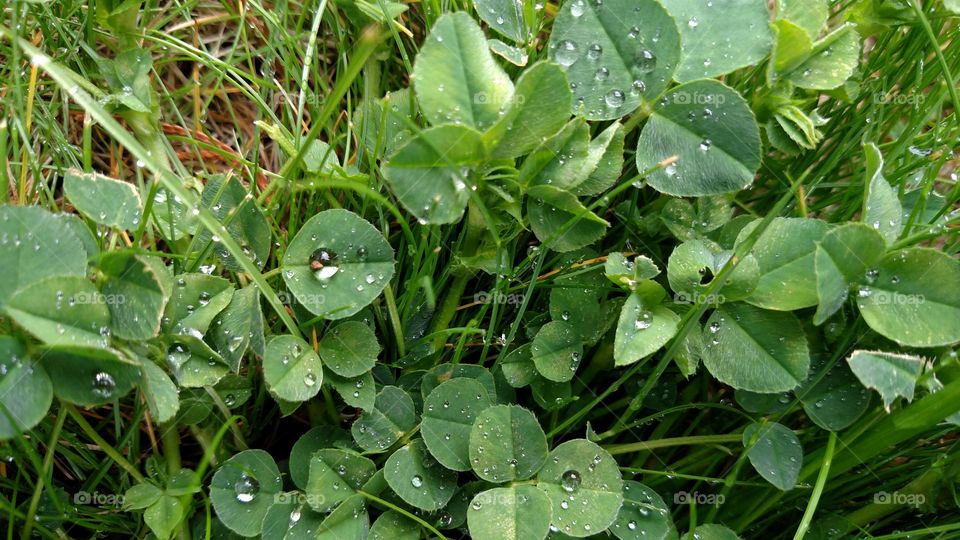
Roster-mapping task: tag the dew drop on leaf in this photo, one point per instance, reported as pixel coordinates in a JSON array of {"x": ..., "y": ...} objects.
[
  {"x": 576, "y": 9},
  {"x": 246, "y": 487},
  {"x": 595, "y": 51},
  {"x": 646, "y": 61},
  {"x": 103, "y": 384},
  {"x": 614, "y": 98},
  {"x": 644, "y": 321},
  {"x": 567, "y": 53},
  {"x": 570, "y": 480}
]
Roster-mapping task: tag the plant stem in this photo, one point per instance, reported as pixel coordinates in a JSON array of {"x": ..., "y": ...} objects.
[
  {"x": 642, "y": 446},
  {"x": 448, "y": 309},
  {"x": 103, "y": 444},
  {"x": 170, "y": 438},
  {"x": 399, "y": 510},
  {"x": 42, "y": 478},
  {"x": 818, "y": 488}
]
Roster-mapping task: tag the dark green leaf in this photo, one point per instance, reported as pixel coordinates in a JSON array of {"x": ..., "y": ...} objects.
[
  {"x": 506, "y": 444},
  {"x": 710, "y": 128},
  {"x": 107, "y": 201},
  {"x": 752, "y": 349},
  {"x": 418, "y": 479},
  {"x": 243, "y": 489},
  {"x": 448, "y": 415},
  {"x": 337, "y": 264}
]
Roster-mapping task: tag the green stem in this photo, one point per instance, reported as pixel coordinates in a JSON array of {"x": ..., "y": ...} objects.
[
  {"x": 391, "y": 301},
  {"x": 928, "y": 30},
  {"x": 110, "y": 451},
  {"x": 399, "y": 510},
  {"x": 472, "y": 234},
  {"x": 42, "y": 478},
  {"x": 448, "y": 309},
  {"x": 643, "y": 446},
  {"x": 170, "y": 438},
  {"x": 818, "y": 488}
]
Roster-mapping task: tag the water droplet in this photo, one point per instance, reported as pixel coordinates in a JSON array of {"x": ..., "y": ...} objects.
[
  {"x": 246, "y": 487},
  {"x": 614, "y": 98},
  {"x": 570, "y": 481},
  {"x": 310, "y": 379},
  {"x": 103, "y": 384},
  {"x": 595, "y": 51},
  {"x": 693, "y": 22},
  {"x": 644, "y": 321},
  {"x": 416, "y": 481},
  {"x": 576, "y": 9},
  {"x": 566, "y": 53},
  {"x": 323, "y": 263},
  {"x": 646, "y": 61},
  {"x": 445, "y": 520}
]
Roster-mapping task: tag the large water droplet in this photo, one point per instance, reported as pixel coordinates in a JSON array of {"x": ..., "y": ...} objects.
[
  {"x": 576, "y": 8},
  {"x": 614, "y": 98},
  {"x": 570, "y": 480},
  {"x": 246, "y": 487},
  {"x": 416, "y": 481},
  {"x": 644, "y": 321},
  {"x": 595, "y": 51},
  {"x": 323, "y": 262},
  {"x": 566, "y": 53},
  {"x": 646, "y": 61},
  {"x": 177, "y": 355},
  {"x": 103, "y": 384}
]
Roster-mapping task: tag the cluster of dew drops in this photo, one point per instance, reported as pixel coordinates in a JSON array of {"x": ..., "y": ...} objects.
[
  {"x": 568, "y": 52},
  {"x": 325, "y": 263}
]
